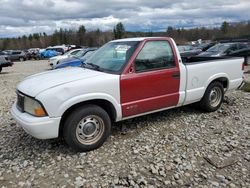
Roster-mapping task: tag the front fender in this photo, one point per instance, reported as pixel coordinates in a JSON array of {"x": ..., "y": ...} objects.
[{"x": 87, "y": 97}]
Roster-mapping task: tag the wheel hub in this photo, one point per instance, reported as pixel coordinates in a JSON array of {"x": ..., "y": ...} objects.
[
  {"x": 89, "y": 128},
  {"x": 215, "y": 97}
]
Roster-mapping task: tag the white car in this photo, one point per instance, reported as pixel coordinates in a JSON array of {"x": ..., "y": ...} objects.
[
  {"x": 125, "y": 78},
  {"x": 54, "y": 60}
]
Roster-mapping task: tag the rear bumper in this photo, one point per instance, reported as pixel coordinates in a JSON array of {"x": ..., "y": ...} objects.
[{"x": 38, "y": 127}]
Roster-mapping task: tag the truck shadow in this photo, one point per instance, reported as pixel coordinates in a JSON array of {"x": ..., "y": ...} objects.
[
  {"x": 144, "y": 121},
  {"x": 4, "y": 73}
]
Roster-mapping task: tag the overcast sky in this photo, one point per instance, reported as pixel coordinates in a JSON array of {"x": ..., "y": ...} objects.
[{"x": 18, "y": 17}]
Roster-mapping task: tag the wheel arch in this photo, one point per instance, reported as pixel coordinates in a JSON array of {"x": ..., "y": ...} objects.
[
  {"x": 222, "y": 78},
  {"x": 103, "y": 103}
]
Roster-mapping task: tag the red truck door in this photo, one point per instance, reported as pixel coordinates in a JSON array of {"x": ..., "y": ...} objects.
[{"x": 151, "y": 79}]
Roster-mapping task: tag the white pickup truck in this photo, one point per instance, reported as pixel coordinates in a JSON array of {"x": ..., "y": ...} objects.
[{"x": 124, "y": 79}]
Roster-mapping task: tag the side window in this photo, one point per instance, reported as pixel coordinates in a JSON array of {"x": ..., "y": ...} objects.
[
  {"x": 241, "y": 46},
  {"x": 75, "y": 52},
  {"x": 155, "y": 55},
  {"x": 234, "y": 47}
]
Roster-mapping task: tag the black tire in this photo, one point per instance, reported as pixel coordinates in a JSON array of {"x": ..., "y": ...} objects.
[
  {"x": 81, "y": 122},
  {"x": 1, "y": 69},
  {"x": 212, "y": 101}
]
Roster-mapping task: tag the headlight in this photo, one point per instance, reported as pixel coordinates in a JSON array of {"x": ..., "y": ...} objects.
[{"x": 33, "y": 107}]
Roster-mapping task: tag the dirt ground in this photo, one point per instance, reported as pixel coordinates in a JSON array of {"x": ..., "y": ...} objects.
[{"x": 182, "y": 147}]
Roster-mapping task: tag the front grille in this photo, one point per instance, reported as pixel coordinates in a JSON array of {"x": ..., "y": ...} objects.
[{"x": 20, "y": 102}]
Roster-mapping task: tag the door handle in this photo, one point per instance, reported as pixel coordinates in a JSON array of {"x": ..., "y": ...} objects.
[{"x": 176, "y": 75}]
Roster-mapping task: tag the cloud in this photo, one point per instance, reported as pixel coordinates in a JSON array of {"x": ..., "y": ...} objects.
[{"x": 18, "y": 17}]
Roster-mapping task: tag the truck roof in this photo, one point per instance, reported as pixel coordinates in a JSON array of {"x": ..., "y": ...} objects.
[{"x": 136, "y": 39}]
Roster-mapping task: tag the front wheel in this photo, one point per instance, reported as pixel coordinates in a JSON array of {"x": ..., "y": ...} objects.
[
  {"x": 213, "y": 97},
  {"x": 87, "y": 128},
  {"x": 1, "y": 69}
]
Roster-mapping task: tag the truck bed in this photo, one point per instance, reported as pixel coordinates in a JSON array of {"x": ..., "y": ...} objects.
[
  {"x": 197, "y": 59},
  {"x": 200, "y": 72}
]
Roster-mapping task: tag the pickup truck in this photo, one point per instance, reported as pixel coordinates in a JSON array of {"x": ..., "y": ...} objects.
[{"x": 123, "y": 79}]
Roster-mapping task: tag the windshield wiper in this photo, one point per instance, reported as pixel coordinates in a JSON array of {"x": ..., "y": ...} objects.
[
  {"x": 97, "y": 67},
  {"x": 93, "y": 66}
]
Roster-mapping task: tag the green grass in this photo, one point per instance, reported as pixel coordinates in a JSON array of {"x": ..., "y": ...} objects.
[{"x": 246, "y": 87}]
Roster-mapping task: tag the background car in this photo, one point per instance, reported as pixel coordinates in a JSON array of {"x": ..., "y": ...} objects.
[
  {"x": 242, "y": 53},
  {"x": 222, "y": 49},
  {"x": 48, "y": 53},
  {"x": 16, "y": 55},
  {"x": 55, "y": 60},
  {"x": 53, "y": 51},
  {"x": 187, "y": 51},
  {"x": 4, "y": 61},
  {"x": 32, "y": 53},
  {"x": 205, "y": 46},
  {"x": 76, "y": 61}
]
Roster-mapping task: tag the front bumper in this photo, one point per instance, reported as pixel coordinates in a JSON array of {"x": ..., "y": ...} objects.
[
  {"x": 7, "y": 64},
  {"x": 52, "y": 63},
  {"x": 38, "y": 127}
]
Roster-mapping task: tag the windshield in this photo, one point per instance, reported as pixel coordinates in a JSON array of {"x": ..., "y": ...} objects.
[
  {"x": 219, "y": 48},
  {"x": 87, "y": 55},
  {"x": 113, "y": 56}
]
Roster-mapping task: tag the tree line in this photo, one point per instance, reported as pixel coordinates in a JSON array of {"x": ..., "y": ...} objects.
[{"x": 82, "y": 37}]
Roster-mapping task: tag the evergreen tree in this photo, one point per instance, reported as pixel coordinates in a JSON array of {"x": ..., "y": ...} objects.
[
  {"x": 224, "y": 27},
  {"x": 119, "y": 31}
]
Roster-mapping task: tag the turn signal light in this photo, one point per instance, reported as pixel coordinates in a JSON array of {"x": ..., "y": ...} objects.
[{"x": 40, "y": 112}]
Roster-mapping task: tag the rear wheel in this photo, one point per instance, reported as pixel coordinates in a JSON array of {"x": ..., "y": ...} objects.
[
  {"x": 87, "y": 128},
  {"x": 1, "y": 69},
  {"x": 213, "y": 97}
]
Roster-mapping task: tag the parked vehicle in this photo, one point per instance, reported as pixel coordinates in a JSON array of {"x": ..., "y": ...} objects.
[
  {"x": 48, "y": 53},
  {"x": 222, "y": 49},
  {"x": 55, "y": 60},
  {"x": 52, "y": 51},
  {"x": 33, "y": 53},
  {"x": 123, "y": 79},
  {"x": 205, "y": 46},
  {"x": 76, "y": 61},
  {"x": 16, "y": 55},
  {"x": 187, "y": 51},
  {"x": 242, "y": 53},
  {"x": 185, "y": 48},
  {"x": 4, "y": 61}
]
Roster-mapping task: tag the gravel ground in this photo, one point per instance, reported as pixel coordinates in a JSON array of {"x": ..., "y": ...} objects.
[{"x": 182, "y": 147}]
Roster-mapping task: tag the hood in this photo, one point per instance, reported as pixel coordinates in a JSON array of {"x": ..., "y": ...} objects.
[
  {"x": 69, "y": 59},
  {"x": 33, "y": 85}
]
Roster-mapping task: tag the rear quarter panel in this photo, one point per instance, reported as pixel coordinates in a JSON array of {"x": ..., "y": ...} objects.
[{"x": 200, "y": 75}]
